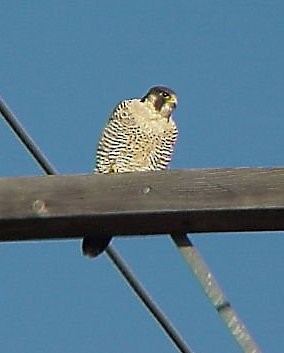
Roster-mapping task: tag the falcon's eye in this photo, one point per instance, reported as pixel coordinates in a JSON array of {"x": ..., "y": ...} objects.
[{"x": 165, "y": 94}]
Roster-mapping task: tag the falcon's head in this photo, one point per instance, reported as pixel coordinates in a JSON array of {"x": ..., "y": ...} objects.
[{"x": 163, "y": 99}]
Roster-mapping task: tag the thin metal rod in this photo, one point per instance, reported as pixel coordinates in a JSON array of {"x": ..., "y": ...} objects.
[
  {"x": 215, "y": 294},
  {"x": 148, "y": 301},
  {"x": 117, "y": 260}
]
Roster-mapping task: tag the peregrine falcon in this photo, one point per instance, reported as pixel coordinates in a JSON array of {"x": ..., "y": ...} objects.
[{"x": 139, "y": 136}]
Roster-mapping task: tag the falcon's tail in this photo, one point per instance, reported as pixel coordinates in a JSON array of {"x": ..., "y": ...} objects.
[{"x": 94, "y": 245}]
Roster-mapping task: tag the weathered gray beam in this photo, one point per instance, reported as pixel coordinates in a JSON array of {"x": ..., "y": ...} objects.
[{"x": 164, "y": 202}]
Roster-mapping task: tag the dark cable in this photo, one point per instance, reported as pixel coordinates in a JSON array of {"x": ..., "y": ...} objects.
[
  {"x": 147, "y": 300},
  {"x": 26, "y": 140},
  {"x": 123, "y": 268}
]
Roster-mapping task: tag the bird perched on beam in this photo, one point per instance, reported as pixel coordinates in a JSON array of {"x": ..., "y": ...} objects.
[{"x": 139, "y": 136}]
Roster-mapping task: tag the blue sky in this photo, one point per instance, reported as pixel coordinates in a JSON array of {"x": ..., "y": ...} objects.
[{"x": 63, "y": 67}]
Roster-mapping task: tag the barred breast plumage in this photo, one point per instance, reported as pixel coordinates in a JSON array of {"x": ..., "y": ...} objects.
[
  {"x": 139, "y": 136},
  {"x": 136, "y": 138}
]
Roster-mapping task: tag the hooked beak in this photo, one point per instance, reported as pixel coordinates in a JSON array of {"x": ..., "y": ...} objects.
[{"x": 173, "y": 101}]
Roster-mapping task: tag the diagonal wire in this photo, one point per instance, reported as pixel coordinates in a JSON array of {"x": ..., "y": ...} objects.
[
  {"x": 118, "y": 261},
  {"x": 147, "y": 300},
  {"x": 25, "y": 138},
  {"x": 215, "y": 294}
]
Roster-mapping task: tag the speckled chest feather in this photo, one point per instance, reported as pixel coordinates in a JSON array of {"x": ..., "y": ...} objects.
[{"x": 136, "y": 138}]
